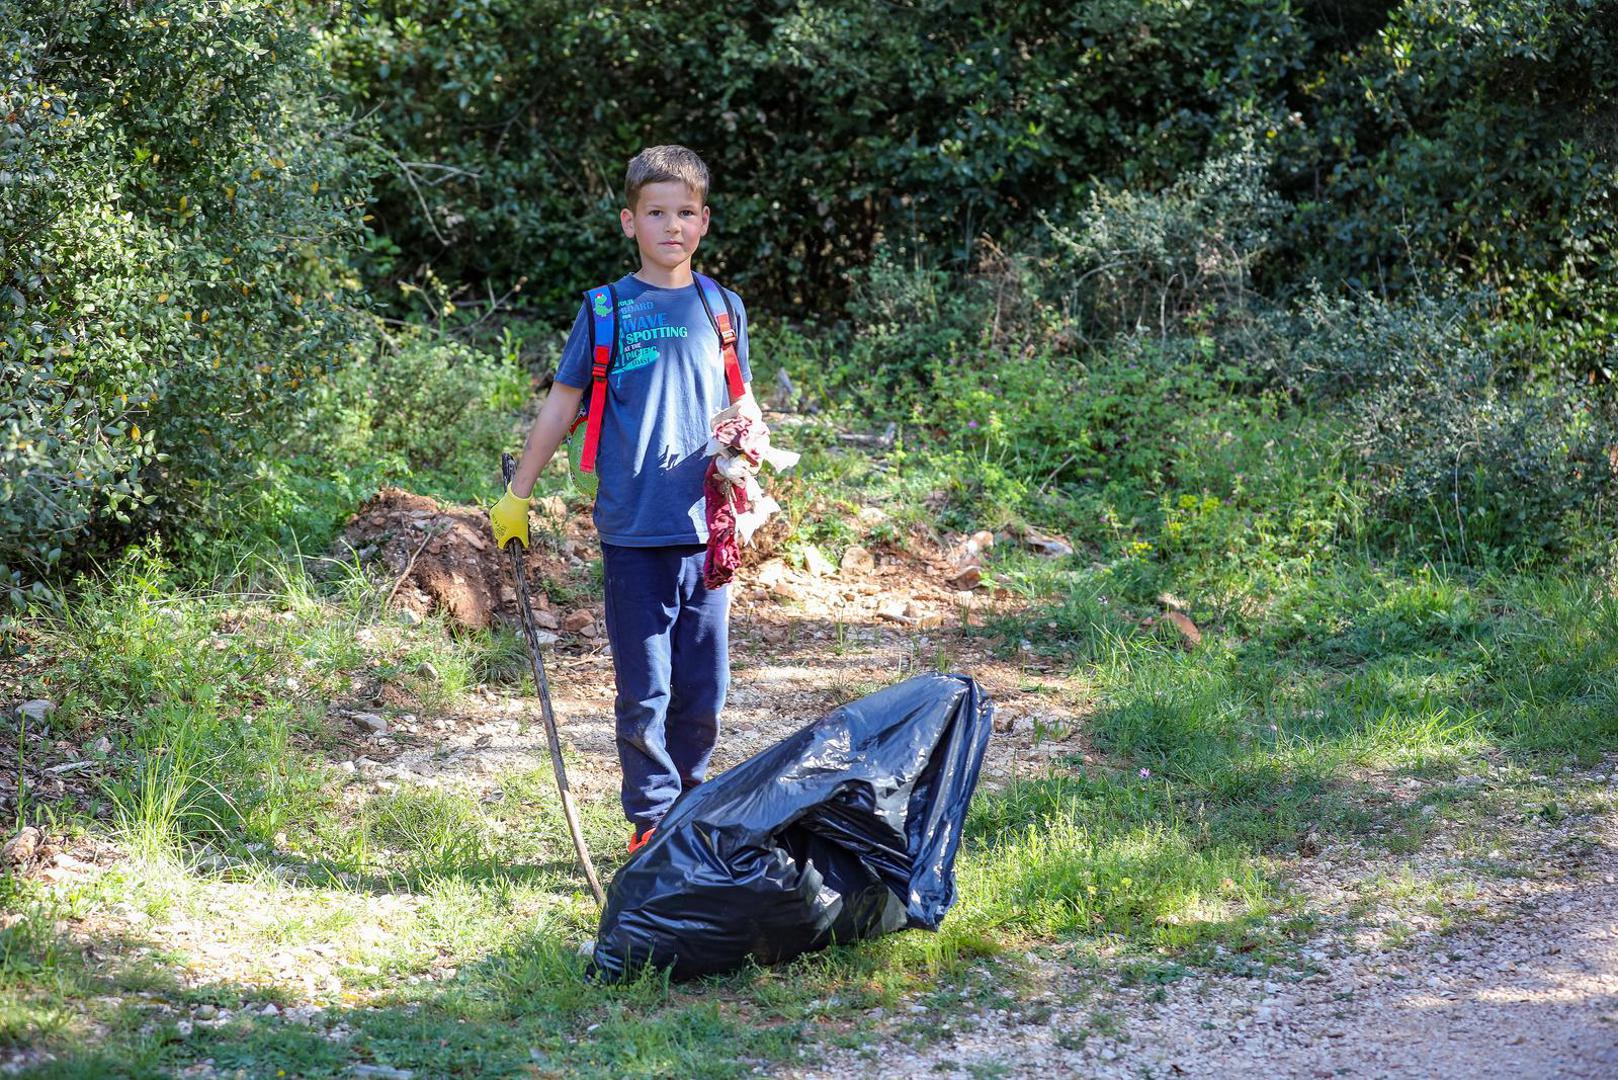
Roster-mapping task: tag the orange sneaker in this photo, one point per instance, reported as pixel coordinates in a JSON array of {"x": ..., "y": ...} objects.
[{"x": 638, "y": 839}]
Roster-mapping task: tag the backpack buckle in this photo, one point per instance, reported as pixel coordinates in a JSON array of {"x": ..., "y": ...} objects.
[{"x": 727, "y": 335}]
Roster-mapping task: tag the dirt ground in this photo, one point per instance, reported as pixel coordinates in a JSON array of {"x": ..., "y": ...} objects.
[{"x": 802, "y": 642}]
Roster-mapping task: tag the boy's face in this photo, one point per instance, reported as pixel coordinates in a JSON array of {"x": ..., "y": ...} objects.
[{"x": 667, "y": 222}]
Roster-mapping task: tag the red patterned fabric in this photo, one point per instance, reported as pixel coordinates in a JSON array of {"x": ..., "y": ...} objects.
[
  {"x": 724, "y": 502},
  {"x": 744, "y": 435}
]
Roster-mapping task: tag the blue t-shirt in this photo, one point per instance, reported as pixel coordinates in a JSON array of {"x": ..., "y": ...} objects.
[{"x": 666, "y": 382}]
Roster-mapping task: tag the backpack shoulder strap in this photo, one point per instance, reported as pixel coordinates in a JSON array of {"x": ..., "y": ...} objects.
[
  {"x": 602, "y": 303},
  {"x": 718, "y": 309}
]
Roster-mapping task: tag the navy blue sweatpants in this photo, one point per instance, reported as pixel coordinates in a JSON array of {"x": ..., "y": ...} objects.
[{"x": 670, "y": 639}]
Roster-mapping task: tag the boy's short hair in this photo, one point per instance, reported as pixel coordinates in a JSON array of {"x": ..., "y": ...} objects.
[{"x": 656, "y": 164}]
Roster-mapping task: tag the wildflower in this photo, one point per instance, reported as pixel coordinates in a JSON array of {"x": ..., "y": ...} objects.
[
  {"x": 971, "y": 423},
  {"x": 1146, "y": 774}
]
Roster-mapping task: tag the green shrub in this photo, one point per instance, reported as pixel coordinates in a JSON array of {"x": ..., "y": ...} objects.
[
  {"x": 1451, "y": 436},
  {"x": 176, "y": 192},
  {"x": 1473, "y": 139},
  {"x": 420, "y": 409},
  {"x": 1151, "y": 262}
]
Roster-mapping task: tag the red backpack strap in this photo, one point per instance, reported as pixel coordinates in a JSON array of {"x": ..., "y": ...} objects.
[
  {"x": 602, "y": 303},
  {"x": 718, "y": 308}
]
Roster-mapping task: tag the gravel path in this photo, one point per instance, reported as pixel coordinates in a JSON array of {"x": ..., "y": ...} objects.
[{"x": 1528, "y": 992}]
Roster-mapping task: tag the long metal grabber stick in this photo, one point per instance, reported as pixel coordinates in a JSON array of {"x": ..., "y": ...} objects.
[{"x": 519, "y": 573}]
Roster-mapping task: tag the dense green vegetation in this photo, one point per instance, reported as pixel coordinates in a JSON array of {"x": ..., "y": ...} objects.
[
  {"x": 1301, "y": 312},
  {"x": 213, "y": 211}
]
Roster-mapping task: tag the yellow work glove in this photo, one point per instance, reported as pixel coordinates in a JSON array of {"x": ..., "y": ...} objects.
[{"x": 509, "y": 518}]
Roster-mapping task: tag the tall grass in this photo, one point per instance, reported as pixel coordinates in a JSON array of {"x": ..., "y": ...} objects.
[{"x": 168, "y": 795}]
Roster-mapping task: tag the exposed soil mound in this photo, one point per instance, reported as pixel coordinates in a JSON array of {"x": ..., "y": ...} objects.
[{"x": 444, "y": 559}]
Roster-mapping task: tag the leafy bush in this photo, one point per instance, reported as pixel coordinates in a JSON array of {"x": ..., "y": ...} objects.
[
  {"x": 421, "y": 409},
  {"x": 1472, "y": 139},
  {"x": 1151, "y": 261},
  {"x": 176, "y": 194},
  {"x": 1450, "y": 436}
]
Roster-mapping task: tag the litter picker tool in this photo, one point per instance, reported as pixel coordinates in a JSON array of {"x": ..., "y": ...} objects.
[{"x": 519, "y": 574}]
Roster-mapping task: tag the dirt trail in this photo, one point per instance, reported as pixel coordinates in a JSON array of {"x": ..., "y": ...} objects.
[{"x": 802, "y": 642}]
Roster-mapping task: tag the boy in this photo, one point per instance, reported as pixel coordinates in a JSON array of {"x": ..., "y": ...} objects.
[{"x": 669, "y": 634}]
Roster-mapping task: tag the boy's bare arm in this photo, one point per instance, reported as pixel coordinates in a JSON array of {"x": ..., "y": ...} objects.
[{"x": 555, "y": 417}]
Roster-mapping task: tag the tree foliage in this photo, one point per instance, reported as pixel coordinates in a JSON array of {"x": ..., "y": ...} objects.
[
  {"x": 175, "y": 201},
  {"x": 833, "y": 128}
]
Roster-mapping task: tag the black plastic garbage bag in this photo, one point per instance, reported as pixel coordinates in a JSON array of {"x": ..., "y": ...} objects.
[{"x": 843, "y": 831}]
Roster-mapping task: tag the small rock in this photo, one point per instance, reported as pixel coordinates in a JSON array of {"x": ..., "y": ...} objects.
[
  {"x": 857, "y": 560},
  {"x": 547, "y": 637},
  {"x": 370, "y": 721},
  {"x": 772, "y": 573},
  {"x": 921, "y": 615},
  {"x": 551, "y": 506},
  {"x": 380, "y": 1072},
  {"x": 270, "y": 1010},
  {"x": 577, "y": 621},
  {"x": 61, "y": 866},
  {"x": 816, "y": 563},
  {"x": 894, "y": 610},
  {"x": 102, "y": 746},
  {"x": 410, "y": 618},
  {"x": 982, "y": 540},
  {"x": 1051, "y": 547},
  {"x": 36, "y": 710},
  {"x": 871, "y": 516},
  {"x": 20, "y": 849},
  {"x": 206, "y": 1012},
  {"x": 967, "y": 576},
  {"x": 427, "y": 671},
  {"x": 546, "y": 620}
]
